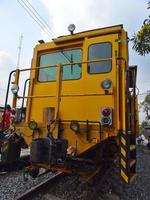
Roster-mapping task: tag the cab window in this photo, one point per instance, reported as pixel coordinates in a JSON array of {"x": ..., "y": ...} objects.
[
  {"x": 63, "y": 57},
  {"x": 100, "y": 51}
]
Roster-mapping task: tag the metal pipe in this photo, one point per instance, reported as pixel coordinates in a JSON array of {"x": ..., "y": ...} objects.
[
  {"x": 66, "y": 64},
  {"x": 64, "y": 95},
  {"x": 25, "y": 84}
]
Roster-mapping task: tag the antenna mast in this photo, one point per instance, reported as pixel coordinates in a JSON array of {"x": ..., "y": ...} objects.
[{"x": 19, "y": 50}]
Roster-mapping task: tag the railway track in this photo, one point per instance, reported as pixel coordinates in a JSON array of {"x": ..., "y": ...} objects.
[
  {"x": 64, "y": 186},
  {"x": 40, "y": 187},
  {"x": 97, "y": 191}
]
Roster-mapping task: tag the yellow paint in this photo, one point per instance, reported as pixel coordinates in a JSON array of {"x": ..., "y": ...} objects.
[
  {"x": 123, "y": 141},
  {"x": 123, "y": 152},
  {"x": 14, "y": 103},
  {"x": 124, "y": 176},
  {"x": 123, "y": 163},
  {"x": 80, "y": 99}
]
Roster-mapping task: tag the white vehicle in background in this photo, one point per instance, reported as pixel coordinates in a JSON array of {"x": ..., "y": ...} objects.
[{"x": 141, "y": 140}]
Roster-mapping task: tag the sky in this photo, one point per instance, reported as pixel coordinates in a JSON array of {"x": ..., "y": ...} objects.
[{"x": 85, "y": 14}]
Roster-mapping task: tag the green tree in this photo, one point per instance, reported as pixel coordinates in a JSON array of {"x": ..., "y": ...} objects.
[
  {"x": 143, "y": 124},
  {"x": 146, "y": 106},
  {"x": 141, "y": 40}
]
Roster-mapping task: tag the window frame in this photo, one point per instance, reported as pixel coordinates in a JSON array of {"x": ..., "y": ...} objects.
[
  {"x": 99, "y": 59},
  {"x": 59, "y": 50}
]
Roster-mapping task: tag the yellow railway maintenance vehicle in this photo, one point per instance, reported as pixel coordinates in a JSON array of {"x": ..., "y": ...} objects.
[{"x": 81, "y": 103}]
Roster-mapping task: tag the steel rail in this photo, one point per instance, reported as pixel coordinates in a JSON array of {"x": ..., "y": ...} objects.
[{"x": 28, "y": 194}]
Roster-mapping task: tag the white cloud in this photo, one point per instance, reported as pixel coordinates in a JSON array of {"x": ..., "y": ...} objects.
[
  {"x": 64, "y": 12},
  {"x": 6, "y": 66},
  {"x": 88, "y": 14}
]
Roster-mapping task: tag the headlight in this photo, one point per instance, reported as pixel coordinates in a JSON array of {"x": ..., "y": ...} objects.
[
  {"x": 71, "y": 28},
  {"x": 15, "y": 89},
  {"x": 32, "y": 125},
  {"x": 75, "y": 126},
  {"x": 106, "y": 84}
]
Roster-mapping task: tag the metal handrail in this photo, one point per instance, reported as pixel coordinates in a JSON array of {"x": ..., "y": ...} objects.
[
  {"x": 65, "y": 64},
  {"x": 50, "y": 66},
  {"x": 41, "y": 67},
  {"x": 24, "y": 91}
]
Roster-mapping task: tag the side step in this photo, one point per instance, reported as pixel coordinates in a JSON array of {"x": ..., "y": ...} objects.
[{"x": 127, "y": 156}]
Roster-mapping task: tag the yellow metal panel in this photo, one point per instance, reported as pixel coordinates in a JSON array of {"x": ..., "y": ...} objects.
[
  {"x": 97, "y": 32},
  {"x": 124, "y": 65},
  {"x": 81, "y": 99}
]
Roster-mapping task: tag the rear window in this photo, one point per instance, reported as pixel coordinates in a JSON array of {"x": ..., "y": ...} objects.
[
  {"x": 100, "y": 51},
  {"x": 64, "y": 57}
]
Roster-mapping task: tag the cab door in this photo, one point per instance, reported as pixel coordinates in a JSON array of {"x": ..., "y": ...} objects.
[{"x": 105, "y": 49}]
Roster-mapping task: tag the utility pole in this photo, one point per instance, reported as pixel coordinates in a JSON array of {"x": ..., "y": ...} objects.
[{"x": 19, "y": 50}]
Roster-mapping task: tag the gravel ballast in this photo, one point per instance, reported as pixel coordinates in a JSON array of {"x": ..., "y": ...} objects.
[
  {"x": 12, "y": 184},
  {"x": 141, "y": 189}
]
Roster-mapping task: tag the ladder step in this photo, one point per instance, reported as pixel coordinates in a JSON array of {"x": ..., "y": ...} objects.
[
  {"x": 133, "y": 162},
  {"x": 132, "y": 178},
  {"x": 132, "y": 147},
  {"x": 129, "y": 132}
]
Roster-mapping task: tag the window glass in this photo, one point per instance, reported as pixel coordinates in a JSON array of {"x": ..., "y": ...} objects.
[
  {"x": 100, "y": 51},
  {"x": 63, "y": 57}
]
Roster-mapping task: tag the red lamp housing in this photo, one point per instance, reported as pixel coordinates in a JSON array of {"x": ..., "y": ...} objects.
[{"x": 106, "y": 116}]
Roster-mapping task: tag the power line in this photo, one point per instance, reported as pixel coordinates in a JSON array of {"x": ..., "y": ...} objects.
[
  {"x": 35, "y": 18},
  {"x": 41, "y": 18}
]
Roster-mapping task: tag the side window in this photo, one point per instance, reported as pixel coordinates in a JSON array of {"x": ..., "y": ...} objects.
[
  {"x": 100, "y": 51},
  {"x": 50, "y": 73},
  {"x": 72, "y": 71}
]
